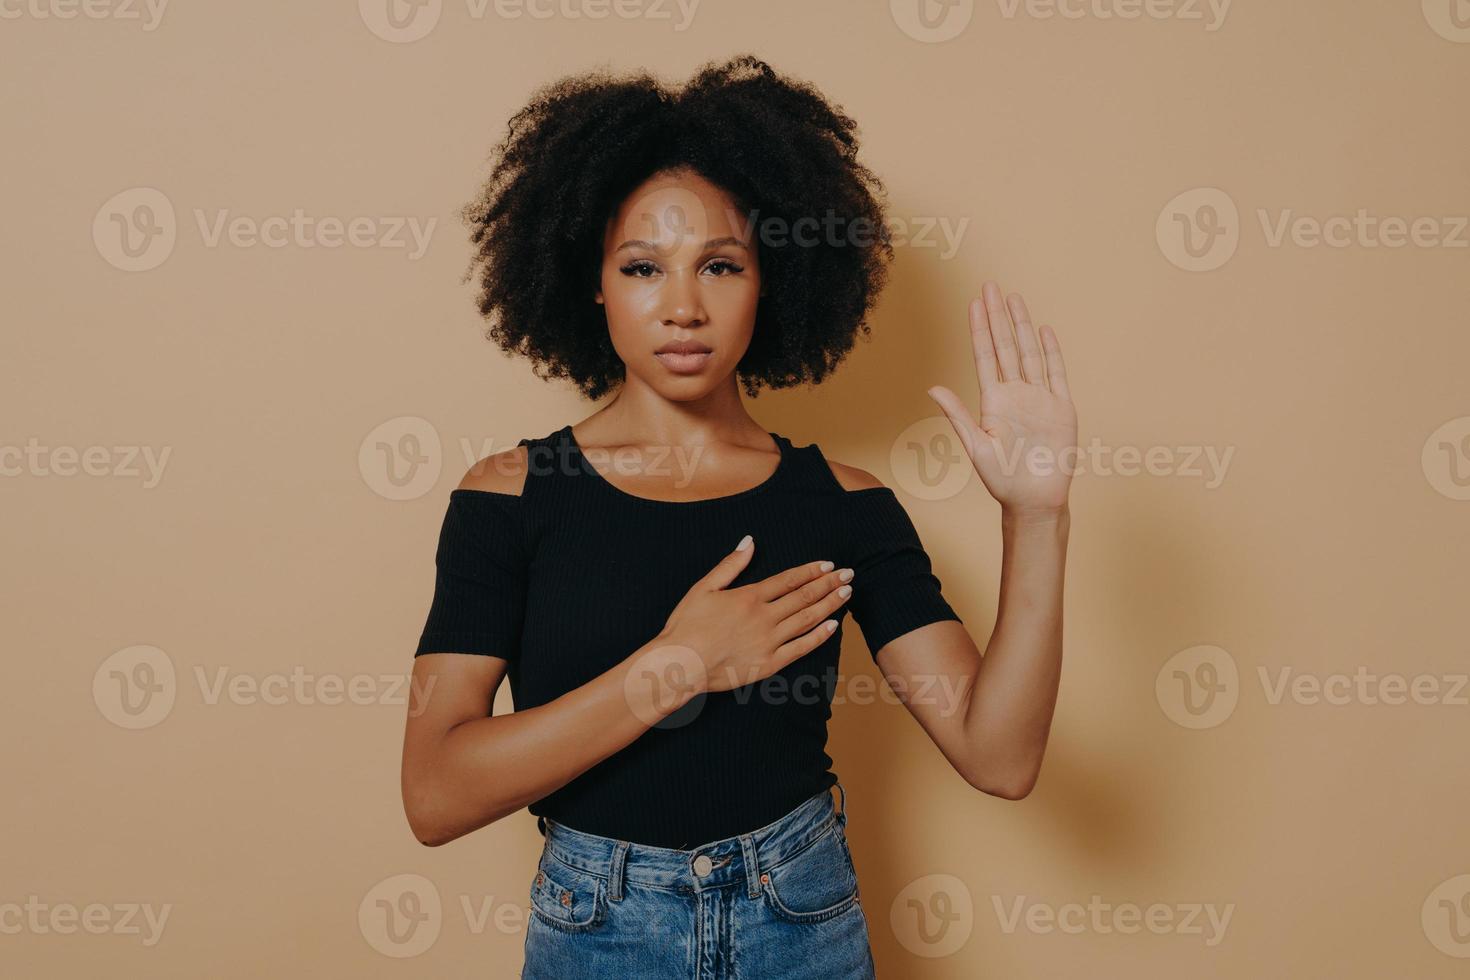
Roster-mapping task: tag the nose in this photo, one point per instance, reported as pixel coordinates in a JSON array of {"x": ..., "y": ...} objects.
[{"x": 682, "y": 304}]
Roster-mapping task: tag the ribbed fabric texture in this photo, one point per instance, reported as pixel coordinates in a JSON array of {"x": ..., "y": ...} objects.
[{"x": 572, "y": 576}]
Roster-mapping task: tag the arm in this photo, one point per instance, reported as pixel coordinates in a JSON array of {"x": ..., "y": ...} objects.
[
  {"x": 991, "y": 716},
  {"x": 463, "y": 770}
]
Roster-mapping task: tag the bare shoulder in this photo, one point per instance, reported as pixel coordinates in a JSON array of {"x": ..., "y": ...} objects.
[
  {"x": 853, "y": 478},
  {"x": 502, "y": 472}
]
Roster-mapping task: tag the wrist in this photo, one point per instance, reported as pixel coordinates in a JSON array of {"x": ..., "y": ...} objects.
[{"x": 1037, "y": 517}]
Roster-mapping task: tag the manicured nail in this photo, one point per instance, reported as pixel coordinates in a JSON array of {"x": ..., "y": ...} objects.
[
  {"x": 744, "y": 543},
  {"x": 845, "y": 575},
  {"x": 844, "y": 591},
  {"x": 827, "y": 566}
]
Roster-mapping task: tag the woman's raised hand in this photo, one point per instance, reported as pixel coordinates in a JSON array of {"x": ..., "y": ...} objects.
[{"x": 1025, "y": 444}]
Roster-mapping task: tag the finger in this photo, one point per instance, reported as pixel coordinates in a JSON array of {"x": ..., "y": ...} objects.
[
  {"x": 729, "y": 567},
  {"x": 769, "y": 589},
  {"x": 812, "y": 615},
  {"x": 959, "y": 416},
  {"x": 986, "y": 366},
  {"x": 1056, "y": 368},
  {"x": 1000, "y": 333},
  {"x": 793, "y": 650},
  {"x": 812, "y": 592},
  {"x": 1033, "y": 368}
]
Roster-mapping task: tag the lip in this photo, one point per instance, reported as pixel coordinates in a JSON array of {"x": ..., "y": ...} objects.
[{"x": 681, "y": 363}]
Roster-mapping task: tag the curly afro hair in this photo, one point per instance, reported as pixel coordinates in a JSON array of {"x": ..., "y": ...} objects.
[{"x": 779, "y": 149}]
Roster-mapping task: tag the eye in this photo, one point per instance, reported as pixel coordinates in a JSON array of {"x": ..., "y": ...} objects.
[
  {"x": 637, "y": 268},
  {"x": 726, "y": 267}
]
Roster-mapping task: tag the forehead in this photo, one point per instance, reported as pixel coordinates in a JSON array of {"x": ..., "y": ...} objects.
[{"x": 673, "y": 205}]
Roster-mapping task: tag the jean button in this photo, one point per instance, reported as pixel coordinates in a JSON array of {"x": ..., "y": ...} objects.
[{"x": 703, "y": 865}]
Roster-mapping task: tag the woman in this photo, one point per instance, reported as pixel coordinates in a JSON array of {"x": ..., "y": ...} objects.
[{"x": 663, "y": 582}]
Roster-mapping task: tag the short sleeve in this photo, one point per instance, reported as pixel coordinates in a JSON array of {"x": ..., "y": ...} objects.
[
  {"x": 480, "y": 580},
  {"x": 894, "y": 589}
]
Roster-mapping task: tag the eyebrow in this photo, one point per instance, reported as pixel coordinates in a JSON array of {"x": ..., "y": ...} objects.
[{"x": 712, "y": 243}]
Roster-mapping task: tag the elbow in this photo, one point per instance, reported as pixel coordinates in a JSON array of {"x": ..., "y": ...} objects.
[
  {"x": 425, "y": 821},
  {"x": 1006, "y": 784}
]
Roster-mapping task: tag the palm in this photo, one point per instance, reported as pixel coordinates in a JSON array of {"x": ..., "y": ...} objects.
[{"x": 1024, "y": 444}]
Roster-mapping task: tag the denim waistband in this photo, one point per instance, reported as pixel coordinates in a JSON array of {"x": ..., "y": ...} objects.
[{"x": 712, "y": 865}]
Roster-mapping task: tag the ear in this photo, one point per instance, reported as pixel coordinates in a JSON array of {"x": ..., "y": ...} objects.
[{"x": 597, "y": 296}]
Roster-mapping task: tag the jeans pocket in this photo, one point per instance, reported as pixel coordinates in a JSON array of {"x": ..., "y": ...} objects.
[
  {"x": 815, "y": 884},
  {"x": 566, "y": 898}
]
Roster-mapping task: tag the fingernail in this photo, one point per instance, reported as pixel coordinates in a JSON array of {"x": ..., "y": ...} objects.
[
  {"x": 845, "y": 575},
  {"x": 827, "y": 566},
  {"x": 844, "y": 591},
  {"x": 744, "y": 543}
]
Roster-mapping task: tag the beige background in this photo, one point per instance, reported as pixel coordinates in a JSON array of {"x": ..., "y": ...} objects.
[{"x": 1334, "y": 835}]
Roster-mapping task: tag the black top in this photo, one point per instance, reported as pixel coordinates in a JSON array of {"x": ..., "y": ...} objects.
[{"x": 572, "y": 576}]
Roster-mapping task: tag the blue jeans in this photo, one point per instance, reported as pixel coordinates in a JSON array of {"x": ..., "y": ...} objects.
[{"x": 777, "y": 903}]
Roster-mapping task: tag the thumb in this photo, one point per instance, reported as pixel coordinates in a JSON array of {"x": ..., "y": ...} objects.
[{"x": 731, "y": 565}]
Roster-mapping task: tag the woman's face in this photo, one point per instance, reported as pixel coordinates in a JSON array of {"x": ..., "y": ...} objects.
[{"x": 679, "y": 265}]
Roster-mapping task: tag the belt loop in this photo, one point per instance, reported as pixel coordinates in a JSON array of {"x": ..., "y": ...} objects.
[
  {"x": 616, "y": 871},
  {"x": 752, "y": 865},
  {"x": 842, "y": 805}
]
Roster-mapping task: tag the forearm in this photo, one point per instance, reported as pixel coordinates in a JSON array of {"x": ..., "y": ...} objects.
[
  {"x": 486, "y": 768},
  {"x": 1009, "y": 708}
]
